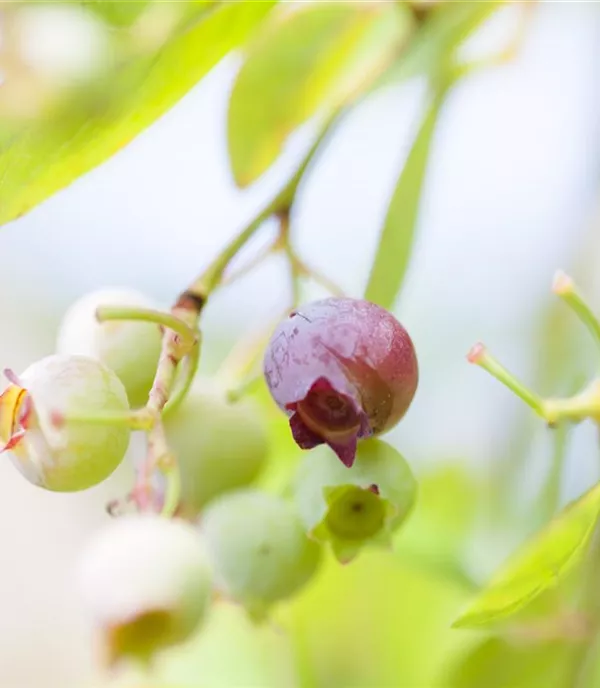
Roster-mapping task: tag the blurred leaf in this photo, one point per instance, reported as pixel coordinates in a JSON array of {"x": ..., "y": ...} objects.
[
  {"x": 395, "y": 244},
  {"x": 311, "y": 59},
  {"x": 445, "y": 28},
  {"x": 538, "y": 565},
  {"x": 87, "y": 131},
  {"x": 497, "y": 663},
  {"x": 117, "y": 12},
  {"x": 444, "y": 516},
  {"x": 263, "y": 655},
  {"x": 374, "y": 623}
]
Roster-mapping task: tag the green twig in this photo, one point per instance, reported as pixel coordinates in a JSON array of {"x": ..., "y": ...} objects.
[
  {"x": 190, "y": 364},
  {"x": 170, "y": 320},
  {"x": 564, "y": 287},
  {"x": 172, "y": 477},
  {"x": 480, "y": 356}
]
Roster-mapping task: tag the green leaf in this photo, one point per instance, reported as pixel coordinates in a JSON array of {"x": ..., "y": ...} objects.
[
  {"x": 445, "y": 28},
  {"x": 119, "y": 13},
  {"x": 395, "y": 244},
  {"x": 435, "y": 537},
  {"x": 498, "y": 663},
  {"x": 310, "y": 60},
  {"x": 538, "y": 565},
  {"x": 90, "y": 129}
]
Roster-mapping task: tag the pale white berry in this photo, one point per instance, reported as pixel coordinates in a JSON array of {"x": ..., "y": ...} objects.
[
  {"x": 130, "y": 348},
  {"x": 146, "y": 583},
  {"x": 64, "y": 456},
  {"x": 220, "y": 445}
]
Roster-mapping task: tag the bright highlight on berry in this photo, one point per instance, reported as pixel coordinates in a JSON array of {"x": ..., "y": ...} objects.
[
  {"x": 342, "y": 369},
  {"x": 146, "y": 582},
  {"x": 67, "y": 457},
  {"x": 259, "y": 549},
  {"x": 356, "y": 507}
]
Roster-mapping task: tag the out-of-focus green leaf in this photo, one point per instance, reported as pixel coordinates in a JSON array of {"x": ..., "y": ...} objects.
[
  {"x": 310, "y": 60},
  {"x": 263, "y": 655},
  {"x": 498, "y": 663},
  {"x": 117, "y": 12},
  {"x": 373, "y": 624},
  {"x": 433, "y": 47},
  {"x": 435, "y": 536},
  {"x": 87, "y": 131},
  {"x": 540, "y": 564},
  {"x": 395, "y": 244}
]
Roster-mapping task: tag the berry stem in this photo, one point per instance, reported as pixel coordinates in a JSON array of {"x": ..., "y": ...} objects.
[
  {"x": 138, "y": 419},
  {"x": 190, "y": 362},
  {"x": 245, "y": 269},
  {"x": 210, "y": 279},
  {"x": 575, "y": 408},
  {"x": 172, "y": 490},
  {"x": 169, "y": 320},
  {"x": 564, "y": 287},
  {"x": 480, "y": 356}
]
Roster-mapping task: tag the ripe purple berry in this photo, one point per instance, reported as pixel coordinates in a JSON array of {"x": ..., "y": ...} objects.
[{"x": 342, "y": 369}]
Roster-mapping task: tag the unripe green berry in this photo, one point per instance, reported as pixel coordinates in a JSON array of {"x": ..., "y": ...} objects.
[
  {"x": 146, "y": 582},
  {"x": 130, "y": 348},
  {"x": 260, "y": 552},
  {"x": 68, "y": 456},
  {"x": 220, "y": 445},
  {"x": 364, "y": 504}
]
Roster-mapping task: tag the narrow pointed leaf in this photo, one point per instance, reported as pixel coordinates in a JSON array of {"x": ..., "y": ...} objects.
[
  {"x": 538, "y": 565},
  {"x": 306, "y": 61},
  {"x": 88, "y": 130},
  {"x": 397, "y": 235}
]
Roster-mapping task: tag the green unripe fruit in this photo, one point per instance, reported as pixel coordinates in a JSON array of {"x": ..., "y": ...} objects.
[
  {"x": 146, "y": 582},
  {"x": 220, "y": 445},
  {"x": 64, "y": 457},
  {"x": 260, "y": 552},
  {"x": 352, "y": 507},
  {"x": 130, "y": 348}
]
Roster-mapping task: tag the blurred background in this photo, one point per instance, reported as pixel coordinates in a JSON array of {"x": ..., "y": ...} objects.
[{"x": 511, "y": 195}]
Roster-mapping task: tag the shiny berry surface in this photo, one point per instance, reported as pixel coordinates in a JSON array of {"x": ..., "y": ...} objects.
[{"x": 342, "y": 369}]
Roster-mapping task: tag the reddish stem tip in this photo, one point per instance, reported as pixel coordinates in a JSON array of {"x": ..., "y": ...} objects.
[
  {"x": 562, "y": 283},
  {"x": 476, "y": 353},
  {"x": 57, "y": 419}
]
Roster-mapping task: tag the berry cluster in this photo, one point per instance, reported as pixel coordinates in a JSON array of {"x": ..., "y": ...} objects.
[{"x": 343, "y": 370}]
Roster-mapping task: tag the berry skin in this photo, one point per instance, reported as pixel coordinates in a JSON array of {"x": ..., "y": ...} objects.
[
  {"x": 130, "y": 348},
  {"x": 350, "y": 508},
  {"x": 220, "y": 445},
  {"x": 146, "y": 582},
  {"x": 342, "y": 369},
  {"x": 71, "y": 456},
  {"x": 260, "y": 552}
]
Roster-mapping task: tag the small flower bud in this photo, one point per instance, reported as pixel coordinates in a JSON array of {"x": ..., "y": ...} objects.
[
  {"x": 65, "y": 457},
  {"x": 130, "y": 348},
  {"x": 219, "y": 445},
  {"x": 260, "y": 551},
  {"x": 350, "y": 508},
  {"x": 342, "y": 369},
  {"x": 146, "y": 582}
]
